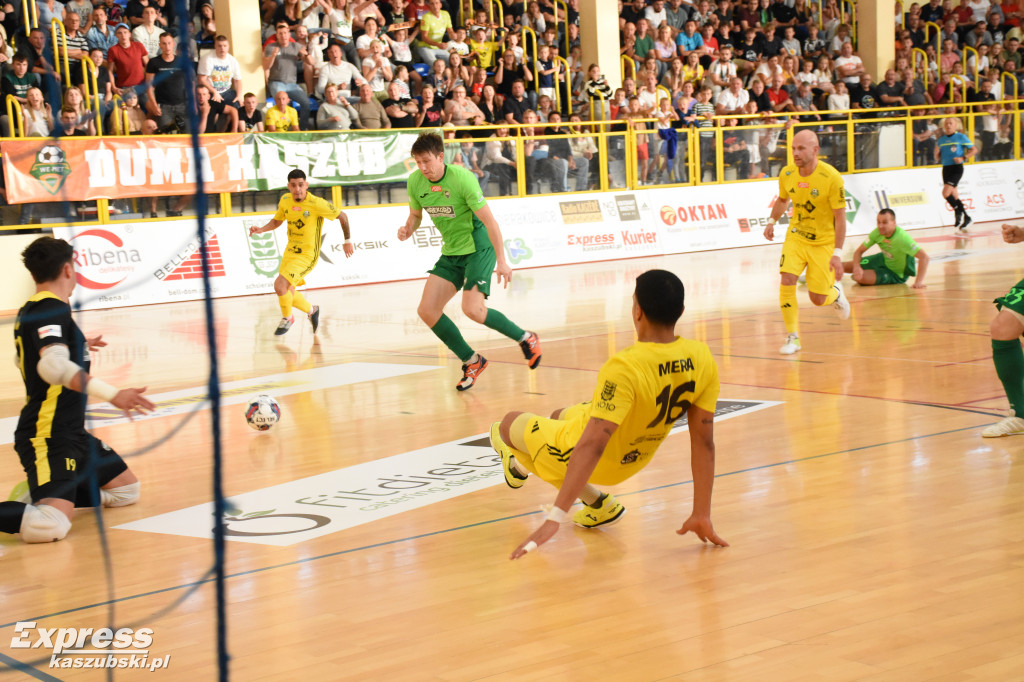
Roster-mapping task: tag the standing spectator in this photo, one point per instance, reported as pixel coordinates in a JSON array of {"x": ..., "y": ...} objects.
[
  {"x": 371, "y": 114},
  {"x": 734, "y": 150},
  {"x": 401, "y": 52},
  {"x": 99, "y": 34},
  {"x": 435, "y": 31},
  {"x": 75, "y": 46},
  {"x": 282, "y": 116},
  {"x": 148, "y": 33},
  {"x": 561, "y": 158},
  {"x": 545, "y": 72},
  {"x": 340, "y": 73},
  {"x": 127, "y": 60},
  {"x": 281, "y": 63},
  {"x": 370, "y": 35},
  {"x": 339, "y": 21},
  {"x": 219, "y": 71},
  {"x": 989, "y": 123},
  {"x": 250, "y": 118},
  {"x": 49, "y": 10},
  {"x": 335, "y": 113},
  {"x": 83, "y": 8},
  {"x": 500, "y": 160},
  {"x": 597, "y": 88},
  {"x": 165, "y": 86}
]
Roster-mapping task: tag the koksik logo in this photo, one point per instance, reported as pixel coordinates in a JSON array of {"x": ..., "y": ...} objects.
[{"x": 101, "y": 254}]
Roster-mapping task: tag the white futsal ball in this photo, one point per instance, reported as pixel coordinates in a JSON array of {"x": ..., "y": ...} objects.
[{"x": 262, "y": 412}]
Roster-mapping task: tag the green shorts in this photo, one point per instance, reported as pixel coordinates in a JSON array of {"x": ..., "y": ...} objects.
[
  {"x": 468, "y": 271},
  {"x": 883, "y": 275},
  {"x": 1014, "y": 299}
]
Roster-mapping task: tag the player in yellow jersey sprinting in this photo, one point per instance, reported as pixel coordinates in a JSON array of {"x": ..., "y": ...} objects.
[
  {"x": 641, "y": 392},
  {"x": 815, "y": 237},
  {"x": 305, "y": 214}
]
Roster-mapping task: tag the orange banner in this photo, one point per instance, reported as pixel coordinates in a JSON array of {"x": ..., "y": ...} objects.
[{"x": 83, "y": 169}]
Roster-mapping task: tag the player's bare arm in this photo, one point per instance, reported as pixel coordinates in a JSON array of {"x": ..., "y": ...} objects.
[
  {"x": 272, "y": 224},
  {"x": 584, "y": 459},
  {"x": 349, "y": 248},
  {"x": 922, "y": 268},
  {"x": 411, "y": 225},
  {"x": 56, "y": 368},
  {"x": 778, "y": 210},
  {"x": 494, "y": 232},
  {"x": 702, "y": 462}
]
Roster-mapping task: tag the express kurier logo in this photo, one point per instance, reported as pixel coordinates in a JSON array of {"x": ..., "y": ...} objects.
[
  {"x": 264, "y": 253},
  {"x": 50, "y": 168}
]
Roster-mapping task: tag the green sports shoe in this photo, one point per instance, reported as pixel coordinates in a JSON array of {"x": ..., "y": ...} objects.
[
  {"x": 20, "y": 493},
  {"x": 610, "y": 511},
  {"x": 512, "y": 477}
]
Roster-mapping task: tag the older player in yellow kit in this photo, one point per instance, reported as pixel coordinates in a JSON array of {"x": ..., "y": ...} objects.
[
  {"x": 641, "y": 392},
  {"x": 815, "y": 237},
  {"x": 305, "y": 214}
]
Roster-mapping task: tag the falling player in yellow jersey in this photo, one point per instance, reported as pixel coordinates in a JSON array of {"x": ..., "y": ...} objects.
[
  {"x": 815, "y": 237},
  {"x": 641, "y": 392},
  {"x": 305, "y": 214}
]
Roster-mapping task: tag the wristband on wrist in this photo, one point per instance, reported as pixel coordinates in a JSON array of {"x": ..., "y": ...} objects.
[
  {"x": 557, "y": 515},
  {"x": 97, "y": 388},
  {"x": 838, "y": 253},
  {"x": 348, "y": 241}
]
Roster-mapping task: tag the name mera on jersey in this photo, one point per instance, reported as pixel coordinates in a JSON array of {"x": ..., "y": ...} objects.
[{"x": 675, "y": 367}]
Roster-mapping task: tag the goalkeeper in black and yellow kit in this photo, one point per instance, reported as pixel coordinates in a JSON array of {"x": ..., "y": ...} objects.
[
  {"x": 641, "y": 393},
  {"x": 58, "y": 455}
]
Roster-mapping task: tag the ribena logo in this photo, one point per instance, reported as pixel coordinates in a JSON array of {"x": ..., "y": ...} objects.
[{"x": 100, "y": 252}]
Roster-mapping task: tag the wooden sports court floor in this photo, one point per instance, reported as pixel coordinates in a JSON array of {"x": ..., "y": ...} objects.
[{"x": 875, "y": 535}]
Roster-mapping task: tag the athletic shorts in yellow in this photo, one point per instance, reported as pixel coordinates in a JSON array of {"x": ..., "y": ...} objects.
[
  {"x": 548, "y": 443},
  {"x": 295, "y": 267},
  {"x": 798, "y": 254}
]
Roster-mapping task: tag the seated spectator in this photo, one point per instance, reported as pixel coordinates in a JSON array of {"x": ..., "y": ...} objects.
[
  {"x": 127, "y": 60},
  {"x": 768, "y": 70},
  {"x": 516, "y": 105},
  {"x": 979, "y": 35},
  {"x": 219, "y": 71},
  {"x": 813, "y": 45},
  {"x": 368, "y": 38},
  {"x": 778, "y": 96},
  {"x": 435, "y": 32},
  {"x": 500, "y": 160},
  {"x": 840, "y": 99},
  {"x": 748, "y": 53},
  {"x": 250, "y": 118},
  {"x": 17, "y": 80},
  {"x": 544, "y": 108},
  {"x": 803, "y": 100},
  {"x": 148, "y": 33},
  {"x": 849, "y": 66},
  {"x": 74, "y": 46},
  {"x": 104, "y": 88},
  {"x": 759, "y": 97},
  {"x": 456, "y": 74},
  {"x": 438, "y": 78},
  {"x": 733, "y": 100},
  {"x": 689, "y": 40},
  {"x": 214, "y": 116},
  {"x": 338, "y": 72},
  {"x": 282, "y": 60},
  {"x": 85, "y": 120},
  {"x": 402, "y": 110},
  {"x": 377, "y": 69},
  {"x": 137, "y": 121},
  {"x": 431, "y": 109},
  {"x": 771, "y": 44},
  {"x": 790, "y": 44},
  {"x": 37, "y": 115},
  {"x": 462, "y": 111},
  {"x": 68, "y": 119},
  {"x": 371, "y": 114},
  {"x": 282, "y": 117},
  {"x": 336, "y": 113},
  {"x": 722, "y": 70},
  {"x": 401, "y": 54}
]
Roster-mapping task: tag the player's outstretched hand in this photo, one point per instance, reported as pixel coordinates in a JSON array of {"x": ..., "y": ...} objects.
[
  {"x": 1012, "y": 234},
  {"x": 504, "y": 272},
  {"x": 131, "y": 400},
  {"x": 96, "y": 342},
  {"x": 701, "y": 526},
  {"x": 404, "y": 233},
  {"x": 254, "y": 230},
  {"x": 769, "y": 232},
  {"x": 546, "y": 531},
  {"x": 918, "y": 285},
  {"x": 349, "y": 250}
]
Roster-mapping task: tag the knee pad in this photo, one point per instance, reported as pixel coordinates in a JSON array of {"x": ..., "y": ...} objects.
[
  {"x": 121, "y": 496},
  {"x": 43, "y": 523}
]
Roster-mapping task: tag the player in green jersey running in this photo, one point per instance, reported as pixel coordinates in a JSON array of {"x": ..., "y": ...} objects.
[
  {"x": 897, "y": 260},
  {"x": 1008, "y": 357},
  {"x": 471, "y": 249}
]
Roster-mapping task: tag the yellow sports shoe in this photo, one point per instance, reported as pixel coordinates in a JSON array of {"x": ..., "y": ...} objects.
[
  {"x": 610, "y": 511},
  {"x": 20, "y": 493},
  {"x": 512, "y": 477}
]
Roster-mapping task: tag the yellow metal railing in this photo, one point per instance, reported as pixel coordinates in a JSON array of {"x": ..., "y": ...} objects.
[
  {"x": 31, "y": 12},
  {"x": 57, "y": 30},
  {"x": 928, "y": 27},
  {"x": 626, "y": 63},
  {"x": 977, "y": 62},
  {"x": 566, "y": 76},
  {"x": 527, "y": 31},
  {"x": 846, "y": 142},
  {"x": 915, "y": 53},
  {"x": 15, "y": 117},
  {"x": 90, "y": 86}
]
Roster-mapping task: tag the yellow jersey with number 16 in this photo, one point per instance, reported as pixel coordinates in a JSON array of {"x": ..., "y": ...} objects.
[
  {"x": 814, "y": 197},
  {"x": 645, "y": 389}
]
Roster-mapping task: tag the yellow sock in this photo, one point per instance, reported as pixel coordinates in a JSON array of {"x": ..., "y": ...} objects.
[
  {"x": 833, "y": 294},
  {"x": 286, "y": 304},
  {"x": 790, "y": 313},
  {"x": 299, "y": 301}
]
